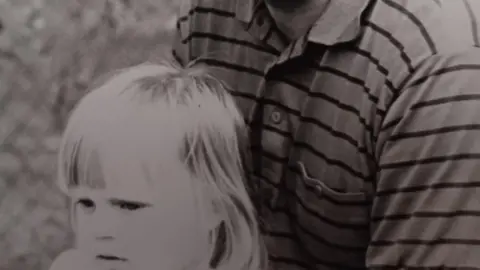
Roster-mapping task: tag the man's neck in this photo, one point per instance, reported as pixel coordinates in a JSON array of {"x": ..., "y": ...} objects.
[{"x": 295, "y": 17}]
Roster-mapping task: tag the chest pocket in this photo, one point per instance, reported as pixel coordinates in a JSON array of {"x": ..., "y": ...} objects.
[{"x": 331, "y": 226}]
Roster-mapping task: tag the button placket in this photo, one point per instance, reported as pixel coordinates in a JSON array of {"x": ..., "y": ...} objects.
[{"x": 275, "y": 117}]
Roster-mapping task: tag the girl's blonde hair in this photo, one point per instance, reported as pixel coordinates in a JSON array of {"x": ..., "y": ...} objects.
[{"x": 214, "y": 146}]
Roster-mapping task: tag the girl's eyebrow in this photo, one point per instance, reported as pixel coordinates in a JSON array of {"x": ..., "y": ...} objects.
[{"x": 117, "y": 201}]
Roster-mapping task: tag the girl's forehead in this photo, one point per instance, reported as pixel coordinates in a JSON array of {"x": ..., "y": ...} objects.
[
  {"x": 133, "y": 147},
  {"x": 139, "y": 178}
]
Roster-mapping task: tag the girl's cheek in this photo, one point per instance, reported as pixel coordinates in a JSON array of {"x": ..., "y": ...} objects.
[
  {"x": 146, "y": 228},
  {"x": 142, "y": 222},
  {"x": 81, "y": 230}
]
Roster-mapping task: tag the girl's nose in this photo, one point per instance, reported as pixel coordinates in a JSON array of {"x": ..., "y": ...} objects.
[
  {"x": 101, "y": 225},
  {"x": 103, "y": 229},
  {"x": 104, "y": 237}
]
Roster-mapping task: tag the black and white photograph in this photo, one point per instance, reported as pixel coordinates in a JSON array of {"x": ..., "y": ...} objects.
[{"x": 239, "y": 134}]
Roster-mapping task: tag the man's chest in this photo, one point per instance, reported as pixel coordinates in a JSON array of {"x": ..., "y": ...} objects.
[
  {"x": 314, "y": 161},
  {"x": 321, "y": 111},
  {"x": 313, "y": 124}
]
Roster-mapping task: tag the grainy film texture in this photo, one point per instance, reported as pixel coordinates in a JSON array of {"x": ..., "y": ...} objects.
[{"x": 50, "y": 52}]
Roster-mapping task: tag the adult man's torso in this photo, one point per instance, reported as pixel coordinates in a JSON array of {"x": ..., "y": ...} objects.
[{"x": 316, "y": 108}]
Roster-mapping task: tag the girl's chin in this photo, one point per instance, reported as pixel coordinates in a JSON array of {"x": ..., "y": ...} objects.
[
  {"x": 75, "y": 259},
  {"x": 72, "y": 259}
]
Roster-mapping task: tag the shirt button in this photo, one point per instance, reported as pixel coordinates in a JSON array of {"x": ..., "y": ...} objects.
[{"x": 276, "y": 117}]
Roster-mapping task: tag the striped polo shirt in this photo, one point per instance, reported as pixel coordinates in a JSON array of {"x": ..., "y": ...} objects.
[{"x": 365, "y": 131}]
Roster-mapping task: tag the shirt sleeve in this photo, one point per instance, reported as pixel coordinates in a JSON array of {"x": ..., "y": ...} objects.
[{"x": 426, "y": 210}]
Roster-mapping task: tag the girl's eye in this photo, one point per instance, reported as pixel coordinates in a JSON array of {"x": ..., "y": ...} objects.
[
  {"x": 86, "y": 203},
  {"x": 131, "y": 206}
]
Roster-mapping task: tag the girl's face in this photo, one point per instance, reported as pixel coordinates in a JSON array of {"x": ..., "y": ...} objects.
[{"x": 136, "y": 222}]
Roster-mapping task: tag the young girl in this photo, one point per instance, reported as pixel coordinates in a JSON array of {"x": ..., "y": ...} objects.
[{"x": 151, "y": 160}]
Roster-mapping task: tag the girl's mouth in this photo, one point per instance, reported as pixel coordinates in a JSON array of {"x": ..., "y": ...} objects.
[{"x": 106, "y": 257}]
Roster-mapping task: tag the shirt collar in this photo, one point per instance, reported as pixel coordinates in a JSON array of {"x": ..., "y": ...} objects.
[
  {"x": 244, "y": 9},
  {"x": 339, "y": 23}
]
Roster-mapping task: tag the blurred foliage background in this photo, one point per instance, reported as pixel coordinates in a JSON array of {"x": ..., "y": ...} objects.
[{"x": 50, "y": 51}]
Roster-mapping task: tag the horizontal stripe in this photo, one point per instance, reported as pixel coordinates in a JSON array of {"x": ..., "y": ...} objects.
[
  {"x": 433, "y": 132},
  {"x": 443, "y": 71},
  {"x": 429, "y": 160},
  {"x": 445, "y": 100},
  {"x": 232, "y": 41},
  {"x": 229, "y": 65},
  {"x": 429, "y": 215},
  {"x": 468, "y": 242},
  {"x": 409, "y": 189},
  {"x": 207, "y": 10},
  {"x": 416, "y": 267}
]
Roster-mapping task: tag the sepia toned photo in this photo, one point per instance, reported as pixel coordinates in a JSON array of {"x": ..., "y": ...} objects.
[{"x": 239, "y": 134}]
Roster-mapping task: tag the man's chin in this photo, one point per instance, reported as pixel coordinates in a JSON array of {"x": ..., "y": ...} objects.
[{"x": 286, "y": 5}]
